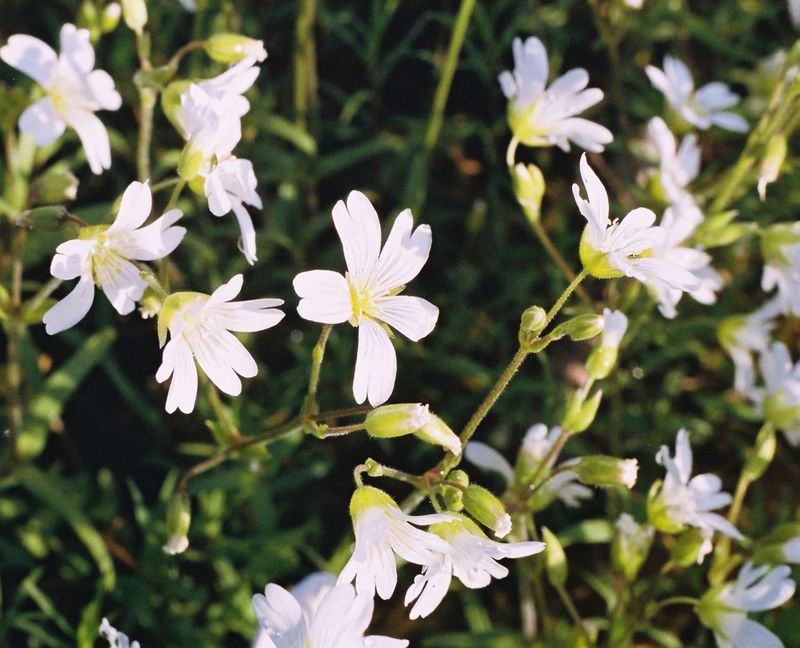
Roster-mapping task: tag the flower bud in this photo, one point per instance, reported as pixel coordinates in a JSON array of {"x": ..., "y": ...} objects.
[
  {"x": 773, "y": 240},
  {"x": 533, "y": 319},
  {"x": 135, "y": 14},
  {"x": 630, "y": 546},
  {"x": 582, "y": 327},
  {"x": 774, "y": 155},
  {"x": 762, "y": 454},
  {"x": 437, "y": 432},
  {"x": 529, "y": 186},
  {"x": 110, "y": 17},
  {"x": 55, "y": 186},
  {"x": 390, "y": 421},
  {"x": 453, "y": 496},
  {"x": 601, "y": 470},
  {"x": 580, "y": 413},
  {"x": 777, "y": 412},
  {"x": 487, "y": 509},
  {"x": 48, "y": 219},
  {"x": 88, "y": 18},
  {"x": 179, "y": 517},
  {"x": 232, "y": 48},
  {"x": 555, "y": 559},
  {"x": 604, "y": 356}
]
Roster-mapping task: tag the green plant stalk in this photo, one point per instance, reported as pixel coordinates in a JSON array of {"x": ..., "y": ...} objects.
[
  {"x": 566, "y": 599},
  {"x": 176, "y": 193},
  {"x": 564, "y": 296},
  {"x": 231, "y": 436},
  {"x": 305, "y": 73},
  {"x": 147, "y": 99},
  {"x": 324, "y": 433},
  {"x": 317, "y": 355},
  {"x": 38, "y": 299},
  {"x": 559, "y": 260}
]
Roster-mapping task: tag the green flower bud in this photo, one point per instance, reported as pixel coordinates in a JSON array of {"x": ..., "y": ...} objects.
[
  {"x": 600, "y": 362},
  {"x": 437, "y": 432},
  {"x": 453, "y": 496},
  {"x": 390, "y": 421},
  {"x": 630, "y": 546},
  {"x": 55, "y": 186},
  {"x": 110, "y": 17},
  {"x": 774, "y": 155},
  {"x": 762, "y": 453},
  {"x": 135, "y": 14},
  {"x": 48, "y": 219},
  {"x": 601, "y": 470},
  {"x": 777, "y": 412},
  {"x": 691, "y": 546},
  {"x": 773, "y": 239},
  {"x": 487, "y": 509},
  {"x": 555, "y": 559},
  {"x": 580, "y": 413},
  {"x": 179, "y": 518},
  {"x": 582, "y": 327},
  {"x": 232, "y": 48},
  {"x": 533, "y": 320},
  {"x": 529, "y": 186}
]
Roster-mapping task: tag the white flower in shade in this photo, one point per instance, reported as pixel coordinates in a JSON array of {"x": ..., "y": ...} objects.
[
  {"x": 74, "y": 91},
  {"x": 678, "y": 166},
  {"x": 794, "y": 13},
  {"x": 724, "y": 608},
  {"x": 473, "y": 561},
  {"x": 679, "y": 222},
  {"x": 780, "y": 246},
  {"x": 366, "y": 296},
  {"x": 228, "y": 185},
  {"x": 546, "y": 117},
  {"x": 116, "y": 639},
  {"x": 199, "y": 327},
  {"x": 682, "y": 501},
  {"x": 615, "y": 249},
  {"x": 381, "y": 530},
  {"x": 101, "y": 256},
  {"x": 333, "y": 616},
  {"x": 702, "y": 108},
  {"x": 779, "y": 399}
]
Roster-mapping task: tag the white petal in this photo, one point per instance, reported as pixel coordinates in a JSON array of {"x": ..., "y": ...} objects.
[
  {"x": 310, "y": 591},
  {"x": 360, "y": 231},
  {"x": 102, "y": 86},
  {"x": 43, "y": 121},
  {"x": 587, "y": 134},
  {"x": 746, "y": 633},
  {"x": 226, "y": 292},
  {"x": 486, "y": 457},
  {"x": 158, "y": 239},
  {"x": 414, "y": 317},
  {"x": 76, "y": 47},
  {"x": 137, "y": 201},
  {"x": 341, "y": 619},
  {"x": 30, "y": 56},
  {"x": 70, "y": 258},
  {"x": 72, "y": 309},
  {"x": 680, "y": 79},
  {"x": 376, "y": 364},
  {"x": 595, "y": 209},
  {"x": 125, "y": 288},
  {"x": 403, "y": 255},
  {"x": 658, "y": 79},
  {"x": 716, "y": 96},
  {"x": 217, "y": 365},
  {"x": 429, "y": 589},
  {"x": 219, "y": 202},
  {"x": 730, "y": 121},
  {"x": 648, "y": 269},
  {"x": 248, "y": 232},
  {"x": 249, "y": 316},
  {"x": 178, "y": 362},
  {"x": 507, "y": 84},
  {"x": 324, "y": 297},
  {"x": 281, "y": 616},
  {"x": 94, "y": 138}
]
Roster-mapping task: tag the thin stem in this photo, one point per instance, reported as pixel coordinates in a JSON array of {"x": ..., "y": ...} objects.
[
  {"x": 675, "y": 600},
  {"x": 153, "y": 282},
  {"x": 38, "y": 299},
  {"x": 564, "y": 296},
  {"x": 192, "y": 45},
  {"x": 176, "y": 192},
  {"x": 317, "y": 355},
  {"x": 230, "y": 435},
  {"x": 559, "y": 260},
  {"x": 164, "y": 184},
  {"x": 16, "y": 328},
  {"x": 325, "y": 432},
  {"x": 375, "y": 469},
  {"x": 147, "y": 98},
  {"x": 566, "y": 599},
  {"x": 305, "y": 73},
  {"x": 341, "y": 413},
  {"x": 551, "y": 454}
]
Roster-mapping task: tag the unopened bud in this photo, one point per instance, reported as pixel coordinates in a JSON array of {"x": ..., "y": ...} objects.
[
  {"x": 580, "y": 413},
  {"x": 774, "y": 155},
  {"x": 55, "y": 186},
  {"x": 630, "y": 546},
  {"x": 601, "y": 470},
  {"x": 452, "y": 495},
  {"x": 110, "y": 17},
  {"x": 48, "y": 219},
  {"x": 179, "y": 518},
  {"x": 762, "y": 454},
  {"x": 390, "y": 421},
  {"x": 528, "y": 183},
  {"x": 582, "y": 327},
  {"x": 232, "y": 48},
  {"x": 135, "y": 14},
  {"x": 555, "y": 559},
  {"x": 533, "y": 320},
  {"x": 487, "y": 509},
  {"x": 437, "y": 432}
]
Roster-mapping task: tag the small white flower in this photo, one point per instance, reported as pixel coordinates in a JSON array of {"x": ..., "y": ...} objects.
[
  {"x": 702, "y": 108},
  {"x": 545, "y": 117},
  {"x": 74, "y": 91},
  {"x": 614, "y": 249},
  {"x": 780, "y": 246},
  {"x": 683, "y": 501},
  {"x": 231, "y": 183},
  {"x": 199, "y": 327},
  {"x": 741, "y": 335},
  {"x": 473, "y": 561},
  {"x": 366, "y": 295},
  {"x": 101, "y": 256},
  {"x": 381, "y": 530},
  {"x": 614, "y": 326},
  {"x": 333, "y": 616},
  {"x": 779, "y": 399},
  {"x": 678, "y": 166},
  {"x": 116, "y": 639},
  {"x": 724, "y": 609}
]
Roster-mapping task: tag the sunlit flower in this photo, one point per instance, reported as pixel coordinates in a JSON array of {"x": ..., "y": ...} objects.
[
  {"x": 724, "y": 608},
  {"x": 333, "y": 616},
  {"x": 366, "y": 296},
  {"x": 74, "y": 91},
  {"x": 545, "y": 117},
  {"x": 623, "y": 247},
  {"x": 473, "y": 561},
  {"x": 381, "y": 530},
  {"x": 101, "y": 256},
  {"x": 702, "y": 108},
  {"x": 116, "y": 639},
  {"x": 678, "y": 166},
  {"x": 681, "y": 501},
  {"x": 199, "y": 327},
  {"x": 779, "y": 399}
]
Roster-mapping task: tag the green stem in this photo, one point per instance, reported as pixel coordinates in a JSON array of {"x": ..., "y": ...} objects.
[
  {"x": 564, "y": 296},
  {"x": 555, "y": 255},
  {"x": 675, "y": 600},
  {"x": 176, "y": 192},
  {"x": 38, "y": 299},
  {"x": 230, "y": 435},
  {"x": 305, "y": 74},
  {"x": 176, "y": 59},
  {"x": 147, "y": 98},
  {"x": 16, "y": 328},
  {"x": 325, "y": 432},
  {"x": 317, "y": 355},
  {"x": 164, "y": 184},
  {"x": 340, "y": 413},
  {"x": 551, "y": 454},
  {"x": 566, "y": 599}
]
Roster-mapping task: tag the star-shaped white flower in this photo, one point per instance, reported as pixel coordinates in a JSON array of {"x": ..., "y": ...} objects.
[
  {"x": 381, "y": 530},
  {"x": 678, "y": 166},
  {"x": 367, "y": 295},
  {"x": 74, "y": 91},
  {"x": 702, "y": 108},
  {"x": 724, "y": 608},
  {"x": 682, "y": 501},
  {"x": 333, "y": 617},
  {"x": 616, "y": 249},
  {"x": 545, "y": 117},
  {"x": 199, "y": 327},
  {"x": 779, "y": 399},
  {"x": 473, "y": 560},
  {"x": 101, "y": 255}
]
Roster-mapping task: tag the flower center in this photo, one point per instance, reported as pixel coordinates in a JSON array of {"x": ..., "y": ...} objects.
[{"x": 362, "y": 299}]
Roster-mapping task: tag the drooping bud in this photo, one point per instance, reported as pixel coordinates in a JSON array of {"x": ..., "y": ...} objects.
[
  {"x": 437, "y": 432},
  {"x": 630, "y": 546},
  {"x": 580, "y": 413},
  {"x": 232, "y": 48},
  {"x": 528, "y": 183},
  {"x": 774, "y": 155},
  {"x": 135, "y": 14},
  {"x": 601, "y": 470},
  {"x": 48, "y": 219},
  {"x": 487, "y": 509},
  {"x": 179, "y": 518},
  {"x": 453, "y": 496},
  {"x": 555, "y": 559},
  {"x": 604, "y": 356},
  {"x": 55, "y": 186},
  {"x": 110, "y": 17},
  {"x": 390, "y": 421},
  {"x": 762, "y": 454}
]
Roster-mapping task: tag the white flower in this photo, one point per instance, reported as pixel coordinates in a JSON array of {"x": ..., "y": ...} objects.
[
  {"x": 231, "y": 183},
  {"x": 780, "y": 245},
  {"x": 381, "y": 530},
  {"x": 614, "y": 326},
  {"x": 682, "y": 501},
  {"x": 116, "y": 639},
  {"x": 199, "y": 327},
  {"x": 101, "y": 255},
  {"x": 613, "y": 249},
  {"x": 74, "y": 91},
  {"x": 542, "y": 117},
  {"x": 367, "y": 295},
  {"x": 724, "y": 609},
  {"x": 702, "y": 108},
  {"x": 779, "y": 399},
  {"x": 678, "y": 166},
  {"x": 332, "y": 617},
  {"x": 680, "y": 222},
  {"x": 473, "y": 561}
]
